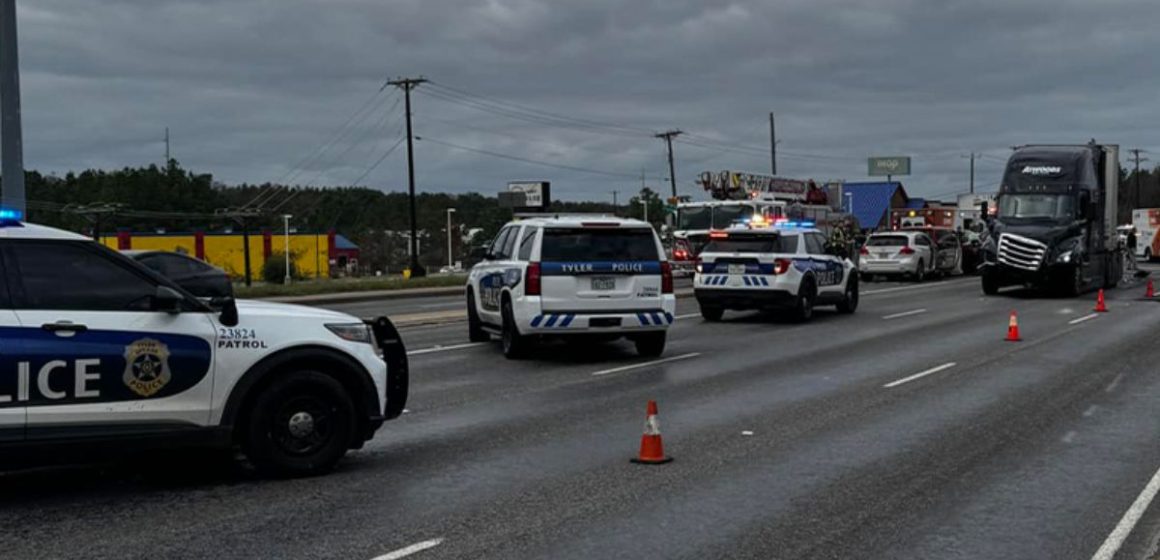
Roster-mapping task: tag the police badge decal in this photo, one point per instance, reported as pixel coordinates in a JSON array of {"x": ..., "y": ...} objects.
[{"x": 146, "y": 366}]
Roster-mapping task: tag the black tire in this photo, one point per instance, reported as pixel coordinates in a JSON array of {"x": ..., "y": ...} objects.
[
  {"x": 920, "y": 272},
  {"x": 300, "y": 425},
  {"x": 990, "y": 283},
  {"x": 849, "y": 302},
  {"x": 650, "y": 345},
  {"x": 712, "y": 314},
  {"x": 515, "y": 345},
  {"x": 1073, "y": 284},
  {"x": 866, "y": 277},
  {"x": 475, "y": 332},
  {"x": 803, "y": 308}
]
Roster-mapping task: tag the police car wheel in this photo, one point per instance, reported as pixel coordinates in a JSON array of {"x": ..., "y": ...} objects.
[
  {"x": 712, "y": 314},
  {"x": 301, "y": 425},
  {"x": 920, "y": 272},
  {"x": 475, "y": 332},
  {"x": 650, "y": 345},
  {"x": 804, "y": 303},
  {"x": 849, "y": 301},
  {"x": 514, "y": 344}
]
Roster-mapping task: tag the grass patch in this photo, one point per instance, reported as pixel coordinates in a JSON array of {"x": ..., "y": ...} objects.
[{"x": 344, "y": 285}]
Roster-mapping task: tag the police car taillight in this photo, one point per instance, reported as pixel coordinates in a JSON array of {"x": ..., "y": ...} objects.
[
  {"x": 781, "y": 266},
  {"x": 666, "y": 277},
  {"x": 532, "y": 279},
  {"x": 863, "y": 251}
]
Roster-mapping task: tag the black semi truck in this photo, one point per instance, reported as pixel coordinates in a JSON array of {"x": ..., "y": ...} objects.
[{"x": 1055, "y": 228}]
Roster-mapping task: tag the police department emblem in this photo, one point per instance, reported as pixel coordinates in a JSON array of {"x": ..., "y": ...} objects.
[{"x": 146, "y": 366}]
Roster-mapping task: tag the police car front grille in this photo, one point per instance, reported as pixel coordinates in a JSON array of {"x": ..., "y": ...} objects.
[{"x": 1020, "y": 252}]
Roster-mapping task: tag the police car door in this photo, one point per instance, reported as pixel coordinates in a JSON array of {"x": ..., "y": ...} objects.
[
  {"x": 99, "y": 359},
  {"x": 828, "y": 269},
  {"x": 12, "y": 408},
  {"x": 494, "y": 276}
]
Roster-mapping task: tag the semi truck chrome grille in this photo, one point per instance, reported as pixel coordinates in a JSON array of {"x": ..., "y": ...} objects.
[{"x": 1020, "y": 252}]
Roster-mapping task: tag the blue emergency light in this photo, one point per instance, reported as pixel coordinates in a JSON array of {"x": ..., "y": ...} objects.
[{"x": 10, "y": 215}]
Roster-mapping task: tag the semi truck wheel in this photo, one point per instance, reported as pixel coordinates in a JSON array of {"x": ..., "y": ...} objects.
[{"x": 990, "y": 283}]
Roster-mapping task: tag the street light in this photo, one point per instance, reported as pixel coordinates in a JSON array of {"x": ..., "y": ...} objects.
[
  {"x": 449, "y": 211},
  {"x": 286, "y": 250}
]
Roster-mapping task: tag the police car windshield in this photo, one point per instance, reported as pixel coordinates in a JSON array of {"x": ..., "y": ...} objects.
[
  {"x": 604, "y": 244},
  {"x": 725, "y": 216},
  {"x": 753, "y": 244}
]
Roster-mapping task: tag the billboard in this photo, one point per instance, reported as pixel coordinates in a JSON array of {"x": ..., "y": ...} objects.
[
  {"x": 882, "y": 166},
  {"x": 537, "y": 194}
]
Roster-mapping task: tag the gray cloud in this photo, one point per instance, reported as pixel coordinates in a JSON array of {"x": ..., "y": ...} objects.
[{"x": 251, "y": 87}]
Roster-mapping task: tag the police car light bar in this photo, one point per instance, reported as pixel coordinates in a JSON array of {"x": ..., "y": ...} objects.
[{"x": 11, "y": 215}]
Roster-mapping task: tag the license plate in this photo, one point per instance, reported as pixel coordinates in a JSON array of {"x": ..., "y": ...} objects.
[
  {"x": 884, "y": 255},
  {"x": 736, "y": 269},
  {"x": 604, "y": 283}
]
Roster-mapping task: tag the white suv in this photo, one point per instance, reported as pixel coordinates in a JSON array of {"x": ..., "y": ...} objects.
[
  {"x": 572, "y": 275},
  {"x": 101, "y": 354}
]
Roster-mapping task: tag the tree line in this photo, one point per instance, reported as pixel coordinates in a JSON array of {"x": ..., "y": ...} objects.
[{"x": 173, "y": 199}]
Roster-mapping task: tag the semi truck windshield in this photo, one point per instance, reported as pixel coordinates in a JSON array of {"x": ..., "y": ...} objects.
[{"x": 1037, "y": 206}]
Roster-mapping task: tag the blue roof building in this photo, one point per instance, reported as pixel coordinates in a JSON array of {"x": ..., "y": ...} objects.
[{"x": 870, "y": 203}]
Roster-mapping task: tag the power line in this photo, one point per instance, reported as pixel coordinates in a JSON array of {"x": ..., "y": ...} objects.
[{"x": 377, "y": 162}]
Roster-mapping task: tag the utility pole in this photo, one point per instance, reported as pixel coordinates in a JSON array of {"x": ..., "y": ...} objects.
[
  {"x": 167, "y": 146},
  {"x": 1138, "y": 159},
  {"x": 772, "y": 145},
  {"x": 614, "y": 204},
  {"x": 11, "y": 144},
  {"x": 972, "y": 156},
  {"x": 668, "y": 136},
  {"x": 286, "y": 245},
  {"x": 449, "y": 247},
  {"x": 94, "y": 213},
  {"x": 407, "y": 84},
  {"x": 242, "y": 217}
]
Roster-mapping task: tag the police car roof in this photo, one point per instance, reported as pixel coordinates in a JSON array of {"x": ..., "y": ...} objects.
[
  {"x": 25, "y": 230},
  {"x": 581, "y": 220}
]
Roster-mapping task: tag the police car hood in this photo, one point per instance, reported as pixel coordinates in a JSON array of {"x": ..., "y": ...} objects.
[{"x": 274, "y": 309}]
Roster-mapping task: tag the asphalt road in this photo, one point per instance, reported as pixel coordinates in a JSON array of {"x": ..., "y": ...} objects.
[{"x": 908, "y": 430}]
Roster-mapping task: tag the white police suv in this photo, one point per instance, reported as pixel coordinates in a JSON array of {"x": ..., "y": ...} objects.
[
  {"x": 783, "y": 267},
  {"x": 98, "y": 352},
  {"x": 572, "y": 276}
]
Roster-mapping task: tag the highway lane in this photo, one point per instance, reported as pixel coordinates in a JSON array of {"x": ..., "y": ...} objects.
[{"x": 1030, "y": 449}]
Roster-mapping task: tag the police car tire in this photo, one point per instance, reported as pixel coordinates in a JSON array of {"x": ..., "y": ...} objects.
[
  {"x": 849, "y": 301},
  {"x": 475, "y": 332},
  {"x": 803, "y": 309},
  {"x": 712, "y": 314},
  {"x": 267, "y": 442},
  {"x": 650, "y": 345},
  {"x": 515, "y": 345}
]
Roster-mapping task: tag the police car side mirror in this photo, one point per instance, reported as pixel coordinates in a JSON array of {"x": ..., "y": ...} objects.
[
  {"x": 167, "y": 299},
  {"x": 229, "y": 311}
]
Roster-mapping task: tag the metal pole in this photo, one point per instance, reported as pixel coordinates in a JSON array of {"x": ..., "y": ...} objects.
[
  {"x": 449, "y": 262},
  {"x": 413, "y": 245},
  {"x": 972, "y": 172},
  {"x": 668, "y": 136},
  {"x": 317, "y": 257},
  {"x": 772, "y": 145},
  {"x": 11, "y": 144},
  {"x": 286, "y": 244},
  {"x": 246, "y": 250},
  {"x": 644, "y": 200}
]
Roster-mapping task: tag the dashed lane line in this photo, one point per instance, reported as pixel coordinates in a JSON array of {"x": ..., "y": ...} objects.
[
  {"x": 647, "y": 364},
  {"x": 919, "y": 375},
  {"x": 409, "y": 550}
]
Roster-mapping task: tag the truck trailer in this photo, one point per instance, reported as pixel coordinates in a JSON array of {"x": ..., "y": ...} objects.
[{"x": 1056, "y": 222}]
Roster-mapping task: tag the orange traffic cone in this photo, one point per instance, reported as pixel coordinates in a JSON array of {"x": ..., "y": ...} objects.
[
  {"x": 1149, "y": 291},
  {"x": 1013, "y": 329},
  {"x": 652, "y": 449},
  {"x": 1100, "y": 306}
]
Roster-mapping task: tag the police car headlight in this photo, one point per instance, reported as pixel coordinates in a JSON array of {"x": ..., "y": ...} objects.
[{"x": 353, "y": 332}]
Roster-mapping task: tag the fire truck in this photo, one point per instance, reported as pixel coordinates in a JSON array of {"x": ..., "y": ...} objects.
[{"x": 743, "y": 198}]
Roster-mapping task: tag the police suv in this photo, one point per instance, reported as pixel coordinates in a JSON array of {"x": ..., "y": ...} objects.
[
  {"x": 781, "y": 267},
  {"x": 572, "y": 276},
  {"x": 99, "y": 352}
]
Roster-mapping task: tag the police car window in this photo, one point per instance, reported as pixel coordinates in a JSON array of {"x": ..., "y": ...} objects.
[
  {"x": 814, "y": 244},
  {"x": 527, "y": 242},
  {"x": 498, "y": 243},
  {"x": 753, "y": 244},
  {"x": 887, "y": 241},
  {"x": 70, "y": 276},
  {"x": 605, "y": 244},
  {"x": 509, "y": 243}
]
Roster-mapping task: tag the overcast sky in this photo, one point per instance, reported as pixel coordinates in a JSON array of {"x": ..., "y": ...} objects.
[{"x": 255, "y": 90}]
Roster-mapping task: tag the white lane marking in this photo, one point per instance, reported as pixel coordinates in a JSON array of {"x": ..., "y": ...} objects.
[
  {"x": 1115, "y": 383},
  {"x": 687, "y": 316},
  {"x": 1068, "y": 437},
  {"x": 919, "y": 375},
  {"x": 1090, "y": 411},
  {"x": 1084, "y": 318},
  {"x": 646, "y": 364},
  {"x": 746, "y": 432},
  {"x": 439, "y": 348},
  {"x": 1128, "y": 522},
  {"x": 904, "y": 314},
  {"x": 407, "y": 551},
  {"x": 918, "y": 287}
]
